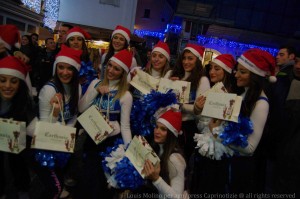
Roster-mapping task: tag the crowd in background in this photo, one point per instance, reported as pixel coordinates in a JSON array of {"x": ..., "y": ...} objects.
[{"x": 195, "y": 159}]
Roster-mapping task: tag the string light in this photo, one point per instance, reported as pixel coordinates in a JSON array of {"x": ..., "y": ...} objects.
[
  {"x": 51, "y": 13},
  {"x": 142, "y": 33},
  {"x": 173, "y": 28},
  {"x": 202, "y": 40},
  {"x": 34, "y": 5}
]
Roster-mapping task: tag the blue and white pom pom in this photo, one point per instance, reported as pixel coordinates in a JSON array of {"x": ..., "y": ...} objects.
[
  {"x": 52, "y": 159},
  {"x": 143, "y": 110},
  {"x": 119, "y": 171},
  {"x": 237, "y": 133}
]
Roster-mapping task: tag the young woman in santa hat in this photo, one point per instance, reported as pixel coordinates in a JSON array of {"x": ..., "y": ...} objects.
[
  {"x": 110, "y": 94},
  {"x": 63, "y": 91},
  {"x": 76, "y": 39},
  {"x": 247, "y": 168},
  {"x": 189, "y": 68},
  {"x": 167, "y": 176},
  {"x": 159, "y": 64},
  {"x": 212, "y": 163},
  {"x": 120, "y": 39},
  {"x": 15, "y": 103}
]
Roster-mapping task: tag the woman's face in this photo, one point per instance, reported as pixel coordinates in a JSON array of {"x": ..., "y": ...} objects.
[
  {"x": 76, "y": 42},
  {"x": 114, "y": 71},
  {"x": 216, "y": 73},
  {"x": 160, "y": 133},
  {"x": 158, "y": 61},
  {"x": 64, "y": 72},
  {"x": 118, "y": 42},
  {"x": 9, "y": 86},
  {"x": 189, "y": 61},
  {"x": 242, "y": 76},
  {"x": 24, "y": 41}
]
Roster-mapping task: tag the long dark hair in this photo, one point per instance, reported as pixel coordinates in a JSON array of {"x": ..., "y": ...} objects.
[
  {"x": 21, "y": 104},
  {"x": 74, "y": 85},
  {"x": 111, "y": 51},
  {"x": 85, "y": 56},
  {"x": 196, "y": 73},
  {"x": 257, "y": 85},
  {"x": 170, "y": 146}
]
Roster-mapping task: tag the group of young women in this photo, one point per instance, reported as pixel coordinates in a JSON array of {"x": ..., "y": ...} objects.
[{"x": 230, "y": 173}]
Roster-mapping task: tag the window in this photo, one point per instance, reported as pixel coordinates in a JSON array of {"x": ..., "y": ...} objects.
[
  {"x": 146, "y": 13},
  {"x": 31, "y": 29},
  {"x": 20, "y": 25}
]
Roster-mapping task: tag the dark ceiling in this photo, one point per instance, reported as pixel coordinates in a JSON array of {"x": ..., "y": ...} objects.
[{"x": 262, "y": 22}]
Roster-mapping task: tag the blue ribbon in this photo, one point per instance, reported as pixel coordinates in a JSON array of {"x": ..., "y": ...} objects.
[
  {"x": 127, "y": 177},
  {"x": 237, "y": 133},
  {"x": 141, "y": 117},
  {"x": 52, "y": 159}
]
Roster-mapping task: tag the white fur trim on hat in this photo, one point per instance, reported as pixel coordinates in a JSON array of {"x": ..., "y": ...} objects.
[
  {"x": 12, "y": 72},
  {"x": 162, "y": 51},
  {"x": 196, "y": 53},
  {"x": 67, "y": 60},
  {"x": 73, "y": 34},
  {"x": 122, "y": 32},
  {"x": 251, "y": 66},
  {"x": 6, "y": 45},
  {"x": 120, "y": 63},
  {"x": 169, "y": 126},
  {"x": 224, "y": 66}
]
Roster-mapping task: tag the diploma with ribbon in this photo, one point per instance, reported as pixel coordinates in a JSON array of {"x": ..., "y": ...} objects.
[
  {"x": 144, "y": 82},
  {"x": 12, "y": 135},
  {"x": 139, "y": 151},
  {"x": 224, "y": 106},
  {"x": 180, "y": 88},
  {"x": 95, "y": 124}
]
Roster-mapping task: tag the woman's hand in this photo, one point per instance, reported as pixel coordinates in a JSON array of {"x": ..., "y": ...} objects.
[
  {"x": 103, "y": 89},
  {"x": 214, "y": 123},
  {"x": 57, "y": 102},
  {"x": 151, "y": 172},
  {"x": 199, "y": 103},
  {"x": 174, "y": 78},
  {"x": 21, "y": 56}
]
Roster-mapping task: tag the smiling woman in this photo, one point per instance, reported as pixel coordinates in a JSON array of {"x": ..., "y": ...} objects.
[
  {"x": 62, "y": 89},
  {"x": 113, "y": 99},
  {"x": 15, "y": 103}
]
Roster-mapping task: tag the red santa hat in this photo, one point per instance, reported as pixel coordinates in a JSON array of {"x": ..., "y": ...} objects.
[
  {"x": 172, "y": 120},
  {"x": 11, "y": 65},
  {"x": 163, "y": 48},
  {"x": 123, "y": 58},
  {"x": 226, "y": 61},
  {"x": 197, "y": 50},
  {"x": 10, "y": 36},
  {"x": 123, "y": 31},
  {"x": 69, "y": 56},
  {"x": 79, "y": 32},
  {"x": 259, "y": 62}
]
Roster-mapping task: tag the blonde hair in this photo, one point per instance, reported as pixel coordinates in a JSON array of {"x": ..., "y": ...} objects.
[
  {"x": 162, "y": 72},
  {"x": 122, "y": 85}
]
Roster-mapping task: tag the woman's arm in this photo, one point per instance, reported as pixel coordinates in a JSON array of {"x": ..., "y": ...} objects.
[
  {"x": 87, "y": 99},
  {"x": 258, "y": 117},
  {"x": 126, "y": 104},
  {"x": 45, "y": 108},
  {"x": 176, "y": 166},
  {"x": 203, "y": 86}
]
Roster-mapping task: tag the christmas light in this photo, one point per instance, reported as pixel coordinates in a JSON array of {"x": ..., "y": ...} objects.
[
  {"x": 202, "y": 40},
  {"x": 142, "y": 33},
  {"x": 34, "y": 5},
  {"x": 51, "y": 13},
  {"x": 173, "y": 28}
]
